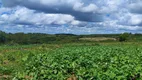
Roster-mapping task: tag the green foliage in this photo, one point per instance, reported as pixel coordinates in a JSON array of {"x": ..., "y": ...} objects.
[
  {"x": 2, "y": 37},
  {"x": 124, "y": 37},
  {"x": 86, "y": 62},
  {"x": 5, "y": 70},
  {"x": 39, "y": 38}
]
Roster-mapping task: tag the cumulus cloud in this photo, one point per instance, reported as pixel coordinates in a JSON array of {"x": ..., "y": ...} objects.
[
  {"x": 71, "y": 16},
  {"x": 80, "y": 7},
  {"x": 129, "y": 19},
  {"x": 136, "y": 20},
  {"x": 24, "y": 16},
  {"x": 76, "y": 8}
]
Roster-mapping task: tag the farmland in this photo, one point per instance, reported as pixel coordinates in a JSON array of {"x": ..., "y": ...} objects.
[
  {"x": 70, "y": 39},
  {"x": 86, "y": 61}
]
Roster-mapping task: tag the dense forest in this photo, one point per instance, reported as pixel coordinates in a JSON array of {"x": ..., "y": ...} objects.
[{"x": 40, "y": 38}]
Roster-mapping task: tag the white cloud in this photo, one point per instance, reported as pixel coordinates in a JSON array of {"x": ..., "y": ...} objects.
[
  {"x": 24, "y": 15},
  {"x": 75, "y": 22},
  {"x": 2, "y": 10},
  {"x": 136, "y": 20},
  {"x": 129, "y": 19},
  {"x": 82, "y": 8},
  {"x": 77, "y": 8},
  {"x": 72, "y": 16},
  {"x": 57, "y": 2}
]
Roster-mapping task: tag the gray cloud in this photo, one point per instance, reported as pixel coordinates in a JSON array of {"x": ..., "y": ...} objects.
[
  {"x": 76, "y": 8},
  {"x": 24, "y": 16},
  {"x": 71, "y": 16},
  {"x": 136, "y": 7}
]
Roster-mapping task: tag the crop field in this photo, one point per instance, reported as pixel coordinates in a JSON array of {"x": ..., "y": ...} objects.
[{"x": 73, "y": 61}]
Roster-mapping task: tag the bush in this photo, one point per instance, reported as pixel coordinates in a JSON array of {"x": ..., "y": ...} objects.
[
  {"x": 2, "y": 38},
  {"x": 124, "y": 37}
]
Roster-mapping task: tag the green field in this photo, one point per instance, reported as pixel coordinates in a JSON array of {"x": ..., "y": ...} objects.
[{"x": 86, "y": 61}]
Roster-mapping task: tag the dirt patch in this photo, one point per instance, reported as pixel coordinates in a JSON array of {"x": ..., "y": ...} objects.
[
  {"x": 98, "y": 39},
  {"x": 5, "y": 62},
  {"x": 72, "y": 77},
  {"x": 28, "y": 77},
  {"x": 5, "y": 76}
]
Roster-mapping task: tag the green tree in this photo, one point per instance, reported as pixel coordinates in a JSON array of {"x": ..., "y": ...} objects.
[
  {"x": 2, "y": 37},
  {"x": 124, "y": 37}
]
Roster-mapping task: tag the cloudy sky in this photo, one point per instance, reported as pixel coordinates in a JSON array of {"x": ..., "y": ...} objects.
[{"x": 71, "y": 16}]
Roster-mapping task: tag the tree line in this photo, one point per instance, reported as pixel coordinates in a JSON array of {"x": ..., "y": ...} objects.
[
  {"x": 40, "y": 38},
  {"x": 34, "y": 38}
]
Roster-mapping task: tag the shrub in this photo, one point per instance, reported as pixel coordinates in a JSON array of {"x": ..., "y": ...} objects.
[{"x": 124, "y": 37}]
